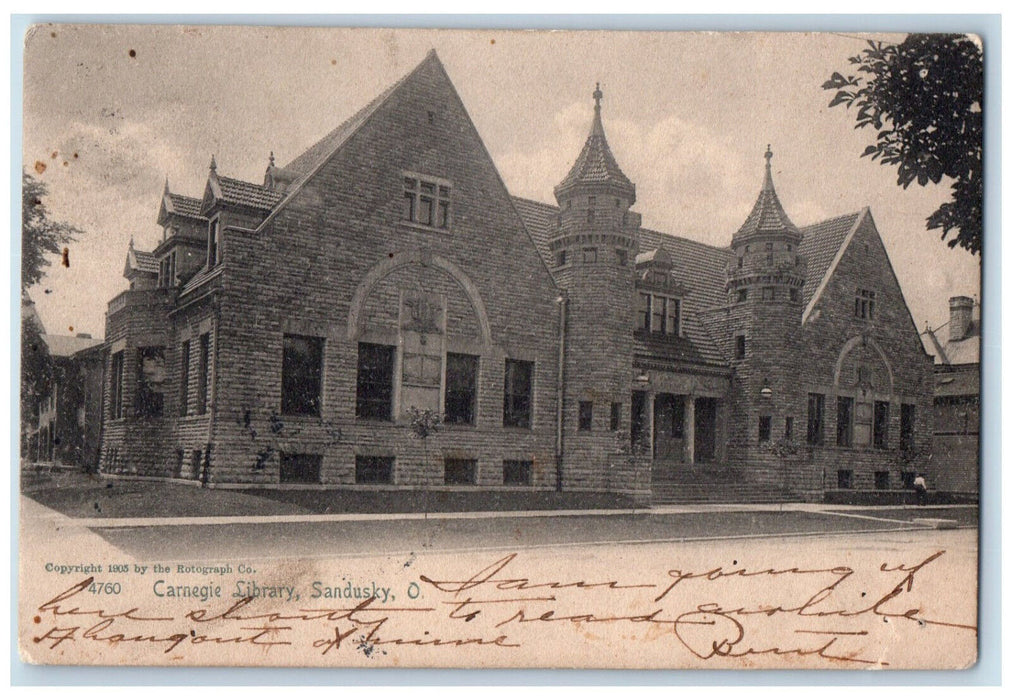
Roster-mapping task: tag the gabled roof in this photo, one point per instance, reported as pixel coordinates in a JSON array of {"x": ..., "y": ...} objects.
[
  {"x": 767, "y": 215},
  {"x": 820, "y": 245},
  {"x": 177, "y": 205},
  {"x": 139, "y": 261},
  {"x": 322, "y": 149},
  {"x": 67, "y": 345},
  {"x": 235, "y": 192},
  {"x": 596, "y": 165}
]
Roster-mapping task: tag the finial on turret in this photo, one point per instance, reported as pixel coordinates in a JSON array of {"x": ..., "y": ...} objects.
[
  {"x": 166, "y": 184},
  {"x": 597, "y": 96},
  {"x": 769, "y": 155},
  {"x": 213, "y": 166},
  {"x": 271, "y": 159}
]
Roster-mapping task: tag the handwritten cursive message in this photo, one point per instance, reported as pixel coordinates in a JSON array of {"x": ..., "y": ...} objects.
[{"x": 727, "y": 615}]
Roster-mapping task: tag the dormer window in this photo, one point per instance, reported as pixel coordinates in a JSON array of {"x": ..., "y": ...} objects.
[
  {"x": 213, "y": 247},
  {"x": 659, "y": 314},
  {"x": 426, "y": 202}
]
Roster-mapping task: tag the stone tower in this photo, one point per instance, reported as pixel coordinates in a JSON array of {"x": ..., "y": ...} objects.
[
  {"x": 764, "y": 281},
  {"x": 594, "y": 249}
]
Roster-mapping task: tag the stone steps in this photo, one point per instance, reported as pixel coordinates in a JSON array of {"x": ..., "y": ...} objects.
[{"x": 711, "y": 484}]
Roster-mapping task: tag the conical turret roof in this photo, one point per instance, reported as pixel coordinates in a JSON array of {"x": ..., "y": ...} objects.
[
  {"x": 596, "y": 165},
  {"x": 767, "y": 215}
]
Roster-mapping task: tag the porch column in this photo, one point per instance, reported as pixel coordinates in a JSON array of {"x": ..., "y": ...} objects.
[
  {"x": 650, "y": 421},
  {"x": 689, "y": 430}
]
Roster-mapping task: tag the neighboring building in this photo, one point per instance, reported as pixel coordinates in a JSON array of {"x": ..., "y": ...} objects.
[
  {"x": 955, "y": 457},
  {"x": 70, "y": 415},
  {"x": 282, "y": 331}
]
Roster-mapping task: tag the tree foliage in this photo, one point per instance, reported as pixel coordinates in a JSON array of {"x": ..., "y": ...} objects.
[
  {"x": 41, "y": 237},
  {"x": 36, "y": 372},
  {"x": 924, "y": 98}
]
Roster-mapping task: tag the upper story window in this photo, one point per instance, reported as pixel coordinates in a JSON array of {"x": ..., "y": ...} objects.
[
  {"x": 167, "y": 271},
  {"x": 769, "y": 293},
  {"x": 864, "y": 304},
  {"x": 590, "y": 255},
  {"x": 426, "y": 202},
  {"x": 213, "y": 243},
  {"x": 560, "y": 258},
  {"x": 659, "y": 314},
  {"x": 116, "y": 386}
]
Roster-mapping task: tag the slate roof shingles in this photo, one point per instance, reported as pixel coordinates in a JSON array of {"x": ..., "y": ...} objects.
[
  {"x": 819, "y": 245},
  {"x": 247, "y": 194},
  {"x": 185, "y": 206}
]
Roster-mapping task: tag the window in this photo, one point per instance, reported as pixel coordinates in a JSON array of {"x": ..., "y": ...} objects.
[
  {"x": 590, "y": 255},
  {"x": 765, "y": 428},
  {"x": 816, "y": 407},
  {"x": 374, "y": 470},
  {"x": 643, "y": 311},
  {"x": 845, "y": 479},
  {"x": 616, "y": 415},
  {"x": 739, "y": 347},
  {"x": 300, "y": 468},
  {"x": 638, "y": 425},
  {"x": 461, "y": 388},
  {"x": 374, "y": 391},
  {"x": 622, "y": 256},
  {"x": 742, "y": 295},
  {"x": 213, "y": 253},
  {"x": 301, "y": 375},
  {"x": 907, "y": 479},
  {"x": 907, "y": 414},
  {"x": 116, "y": 386},
  {"x": 881, "y": 425},
  {"x": 184, "y": 377},
  {"x": 864, "y": 304},
  {"x": 204, "y": 373},
  {"x": 789, "y": 428},
  {"x": 517, "y": 380},
  {"x": 586, "y": 415},
  {"x": 149, "y": 399},
  {"x": 516, "y": 472},
  {"x": 844, "y": 421},
  {"x": 794, "y": 294},
  {"x": 881, "y": 480},
  {"x": 460, "y": 471},
  {"x": 426, "y": 202},
  {"x": 560, "y": 258},
  {"x": 659, "y": 314},
  {"x": 769, "y": 293}
]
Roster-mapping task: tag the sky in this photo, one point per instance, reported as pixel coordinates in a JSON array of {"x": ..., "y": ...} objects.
[{"x": 111, "y": 112}]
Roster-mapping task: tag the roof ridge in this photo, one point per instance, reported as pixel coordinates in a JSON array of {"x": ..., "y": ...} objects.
[{"x": 301, "y": 164}]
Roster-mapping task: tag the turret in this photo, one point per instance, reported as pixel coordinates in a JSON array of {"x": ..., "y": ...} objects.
[
  {"x": 594, "y": 198},
  {"x": 594, "y": 246},
  {"x": 767, "y": 265}
]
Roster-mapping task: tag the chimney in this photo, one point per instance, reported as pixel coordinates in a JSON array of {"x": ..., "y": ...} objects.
[{"x": 960, "y": 317}]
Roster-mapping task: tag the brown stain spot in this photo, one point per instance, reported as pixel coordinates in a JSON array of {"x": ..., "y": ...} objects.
[
  {"x": 75, "y": 155},
  {"x": 133, "y": 54},
  {"x": 70, "y": 328},
  {"x": 40, "y": 167},
  {"x": 55, "y": 153},
  {"x": 333, "y": 61},
  {"x": 65, "y": 163},
  {"x": 492, "y": 41},
  {"x": 38, "y": 619},
  {"x": 52, "y": 34},
  {"x": 66, "y": 258}
]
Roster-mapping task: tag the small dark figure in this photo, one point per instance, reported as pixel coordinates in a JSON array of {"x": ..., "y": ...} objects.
[{"x": 921, "y": 487}]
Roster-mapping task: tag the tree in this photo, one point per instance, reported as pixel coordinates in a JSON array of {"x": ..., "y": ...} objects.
[
  {"x": 41, "y": 237},
  {"x": 925, "y": 97},
  {"x": 36, "y": 376}
]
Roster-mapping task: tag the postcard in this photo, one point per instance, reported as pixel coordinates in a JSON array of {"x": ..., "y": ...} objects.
[{"x": 499, "y": 349}]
